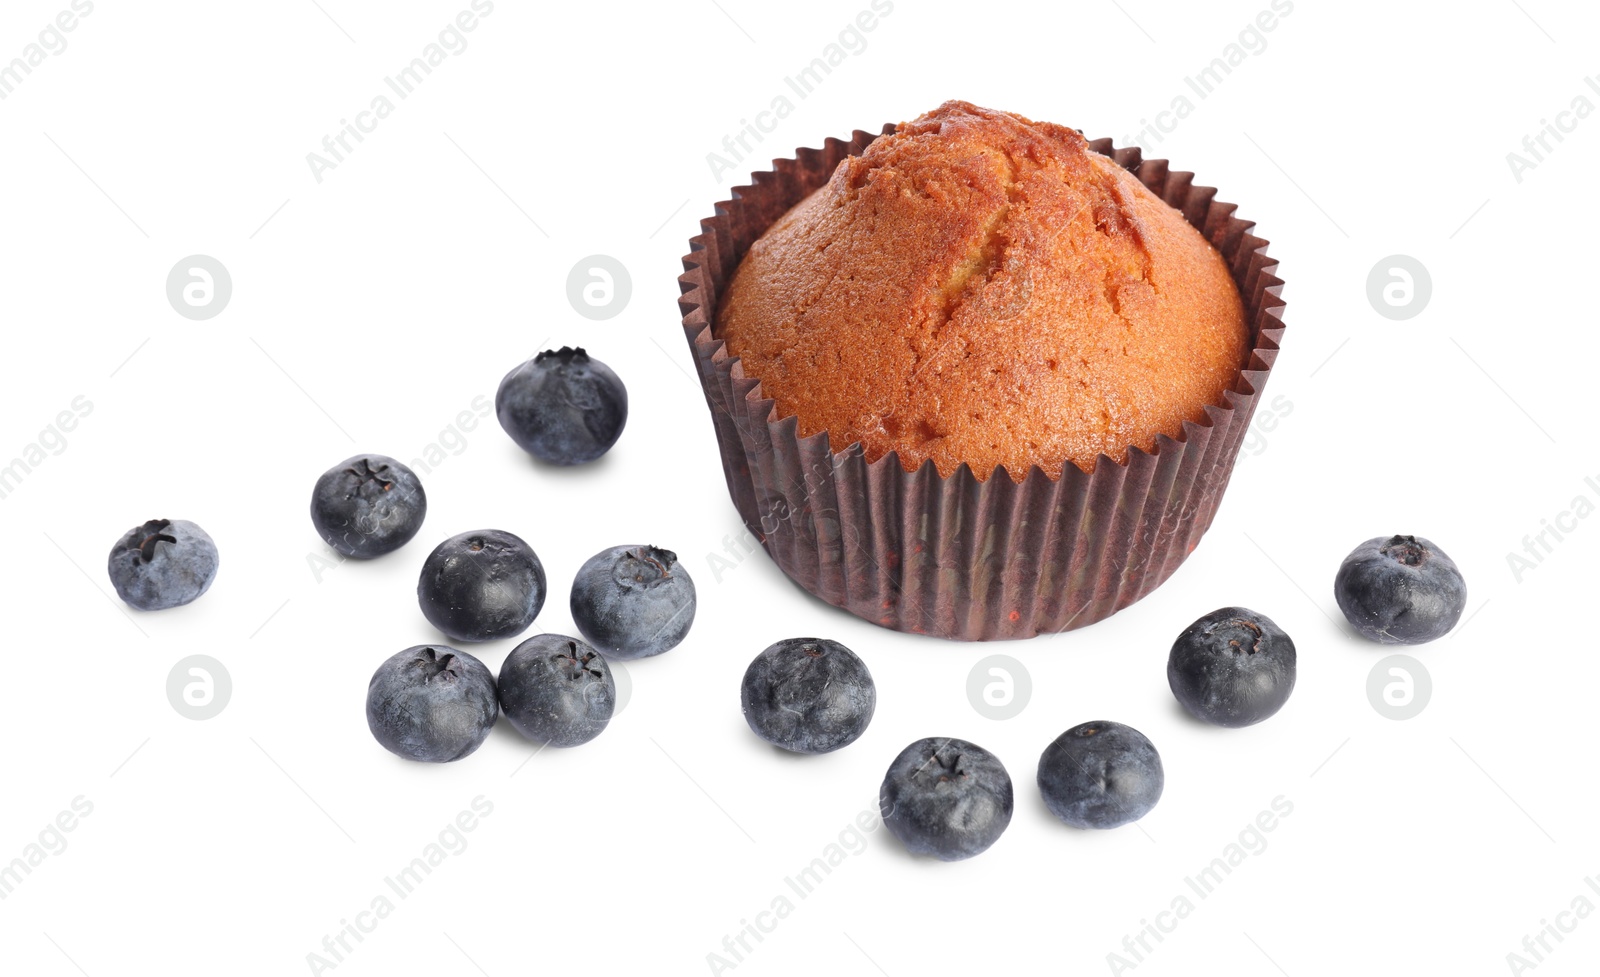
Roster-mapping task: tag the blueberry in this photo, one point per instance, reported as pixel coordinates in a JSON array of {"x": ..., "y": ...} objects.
[
  {"x": 808, "y": 695},
  {"x": 1100, "y": 775},
  {"x": 367, "y": 506},
  {"x": 164, "y": 563},
  {"x": 1233, "y": 667},
  {"x": 431, "y": 703},
  {"x": 947, "y": 798},
  {"x": 481, "y": 585},
  {"x": 563, "y": 407},
  {"x": 557, "y": 690},
  {"x": 1400, "y": 590},
  {"x": 633, "y": 601}
]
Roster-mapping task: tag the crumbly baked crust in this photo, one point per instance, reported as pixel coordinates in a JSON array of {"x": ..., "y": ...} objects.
[{"x": 985, "y": 289}]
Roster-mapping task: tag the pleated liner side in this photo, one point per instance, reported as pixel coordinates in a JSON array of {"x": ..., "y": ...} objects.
[{"x": 957, "y": 557}]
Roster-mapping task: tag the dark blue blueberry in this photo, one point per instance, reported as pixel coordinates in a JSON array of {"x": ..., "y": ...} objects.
[
  {"x": 1400, "y": 590},
  {"x": 1233, "y": 667},
  {"x": 947, "y": 798},
  {"x": 431, "y": 703},
  {"x": 481, "y": 585},
  {"x": 633, "y": 601},
  {"x": 367, "y": 506},
  {"x": 563, "y": 407},
  {"x": 808, "y": 695},
  {"x": 557, "y": 690},
  {"x": 1100, "y": 775},
  {"x": 164, "y": 563}
]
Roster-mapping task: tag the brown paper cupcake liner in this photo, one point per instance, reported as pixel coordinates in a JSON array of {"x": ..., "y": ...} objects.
[{"x": 954, "y": 556}]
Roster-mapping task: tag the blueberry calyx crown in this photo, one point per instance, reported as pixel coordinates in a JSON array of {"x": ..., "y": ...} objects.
[
  {"x": 1405, "y": 550},
  {"x": 1238, "y": 624},
  {"x": 647, "y": 566},
  {"x": 565, "y": 355},
  {"x": 436, "y": 666},
  {"x": 152, "y": 535},
  {"x": 364, "y": 472},
  {"x": 947, "y": 772},
  {"x": 574, "y": 665}
]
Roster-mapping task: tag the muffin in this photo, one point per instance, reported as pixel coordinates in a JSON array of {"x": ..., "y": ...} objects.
[
  {"x": 881, "y": 324},
  {"x": 978, "y": 288}
]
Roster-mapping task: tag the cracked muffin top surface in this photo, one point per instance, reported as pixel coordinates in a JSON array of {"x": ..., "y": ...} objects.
[{"x": 980, "y": 288}]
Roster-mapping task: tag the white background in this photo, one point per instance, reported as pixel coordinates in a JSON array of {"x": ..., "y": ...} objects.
[{"x": 374, "y": 306}]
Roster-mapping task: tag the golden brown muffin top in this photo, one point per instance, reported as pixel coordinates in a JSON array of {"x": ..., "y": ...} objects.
[{"x": 981, "y": 288}]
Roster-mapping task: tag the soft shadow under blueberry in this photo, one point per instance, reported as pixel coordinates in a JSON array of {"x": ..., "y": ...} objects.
[{"x": 591, "y": 469}]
